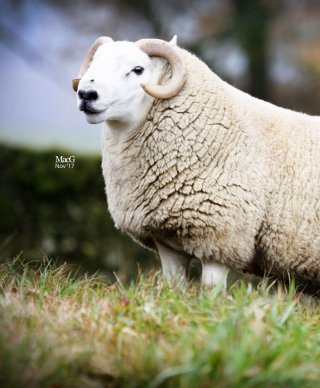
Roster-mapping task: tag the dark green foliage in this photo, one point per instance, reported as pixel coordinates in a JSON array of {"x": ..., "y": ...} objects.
[
  {"x": 60, "y": 212},
  {"x": 249, "y": 25}
]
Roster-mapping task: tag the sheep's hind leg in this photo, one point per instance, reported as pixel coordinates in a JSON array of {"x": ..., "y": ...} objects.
[
  {"x": 174, "y": 264},
  {"x": 214, "y": 274}
]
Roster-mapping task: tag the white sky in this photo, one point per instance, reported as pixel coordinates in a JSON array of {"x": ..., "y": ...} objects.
[{"x": 37, "y": 112}]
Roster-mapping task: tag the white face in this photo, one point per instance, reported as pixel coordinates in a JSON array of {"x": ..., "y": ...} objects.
[{"x": 111, "y": 88}]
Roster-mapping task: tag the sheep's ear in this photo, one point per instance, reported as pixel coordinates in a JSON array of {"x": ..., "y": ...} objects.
[{"x": 173, "y": 41}]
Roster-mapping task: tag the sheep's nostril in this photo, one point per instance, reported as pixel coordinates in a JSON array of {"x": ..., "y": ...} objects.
[{"x": 90, "y": 95}]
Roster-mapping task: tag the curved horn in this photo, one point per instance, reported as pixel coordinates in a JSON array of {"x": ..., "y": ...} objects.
[
  {"x": 88, "y": 59},
  {"x": 161, "y": 48}
]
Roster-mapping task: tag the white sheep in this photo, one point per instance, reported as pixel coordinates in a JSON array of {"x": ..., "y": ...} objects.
[{"x": 194, "y": 167}]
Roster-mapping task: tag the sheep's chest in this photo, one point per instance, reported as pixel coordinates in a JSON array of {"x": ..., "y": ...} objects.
[{"x": 127, "y": 192}]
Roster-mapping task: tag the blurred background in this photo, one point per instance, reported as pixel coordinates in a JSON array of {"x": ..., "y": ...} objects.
[{"x": 269, "y": 48}]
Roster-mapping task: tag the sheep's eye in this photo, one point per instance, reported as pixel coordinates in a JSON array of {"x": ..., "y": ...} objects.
[{"x": 138, "y": 70}]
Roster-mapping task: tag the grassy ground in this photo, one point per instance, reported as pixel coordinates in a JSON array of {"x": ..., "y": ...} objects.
[{"x": 57, "y": 331}]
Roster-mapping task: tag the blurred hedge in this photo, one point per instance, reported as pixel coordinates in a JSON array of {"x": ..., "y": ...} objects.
[{"x": 61, "y": 213}]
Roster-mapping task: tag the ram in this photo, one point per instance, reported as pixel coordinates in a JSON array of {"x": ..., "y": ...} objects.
[{"x": 195, "y": 168}]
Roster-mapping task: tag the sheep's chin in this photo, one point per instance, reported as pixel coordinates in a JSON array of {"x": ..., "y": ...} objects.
[{"x": 96, "y": 118}]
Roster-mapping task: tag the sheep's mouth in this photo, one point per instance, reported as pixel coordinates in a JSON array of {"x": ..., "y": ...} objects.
[
  {"x": 85, "y": 108},
  {"x": 90, "y": 111}
]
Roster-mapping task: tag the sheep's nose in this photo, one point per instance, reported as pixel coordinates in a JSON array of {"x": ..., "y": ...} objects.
[{"x": 89, "y": 95}]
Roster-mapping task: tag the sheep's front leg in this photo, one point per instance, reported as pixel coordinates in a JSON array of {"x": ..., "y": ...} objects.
[
  {"x": 214, "y": 274},
  {"x": 174, "y": 264}
]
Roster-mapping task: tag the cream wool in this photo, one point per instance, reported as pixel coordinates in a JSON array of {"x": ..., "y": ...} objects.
[{"x": 216, "y": 174}]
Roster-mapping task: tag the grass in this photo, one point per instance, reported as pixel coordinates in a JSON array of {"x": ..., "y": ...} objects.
[{"x": 57, "y": 330}]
